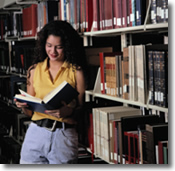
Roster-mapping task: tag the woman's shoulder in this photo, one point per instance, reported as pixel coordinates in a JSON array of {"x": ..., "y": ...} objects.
[{"x": 31, "y": 70}]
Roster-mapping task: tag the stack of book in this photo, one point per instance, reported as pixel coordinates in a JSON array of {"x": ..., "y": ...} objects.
[
  {"x": 121, "y": 135},
  {"x": 139, "y": 73},
  {"x": 104, "y": 137}
]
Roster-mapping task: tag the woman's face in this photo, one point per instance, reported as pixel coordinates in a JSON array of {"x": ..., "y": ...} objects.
[{"x": 54, "y": 48}]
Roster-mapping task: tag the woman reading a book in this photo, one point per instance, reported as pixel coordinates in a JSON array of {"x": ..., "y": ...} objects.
[{"x": 59, "y": 56}]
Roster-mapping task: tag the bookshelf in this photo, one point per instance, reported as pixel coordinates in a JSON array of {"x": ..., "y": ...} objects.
[
  {"x": 124, "y": 33},
  {"x": 134, "y": 29},
  {"x": 129, "y": 102}
]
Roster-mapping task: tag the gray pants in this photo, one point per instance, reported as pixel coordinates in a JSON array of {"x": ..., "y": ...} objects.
[{"x": 42, "y": 146}]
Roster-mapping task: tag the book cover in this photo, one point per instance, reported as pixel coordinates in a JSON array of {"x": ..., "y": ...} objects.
[
  {"x": 161, "y": 145},
  {"x": 108, "y": 14},
  {"x": 52, "y": 10},
  {"x": 133, "y": 18},
  {"x": 151, "y": 86},
  {"x": 117, "y": 14},
  {"x": 155, "y": 133},
  {"x": 101, "y": 15},
  {"x": 131, "y": 123},
  {"x": 102, "y": 56},
  {"x": 96, "y": 19},
  {"x": 132, "y": 147},
  {"x": 104, "y": 130},
  {"x": 140, "y": 11},
  {"x": 153, "y": 11},
  {"x": 53, "y": 100},
  {"x": 124, "y": 13},
  {"x": 89, "y": 14},
  {"x": 141, "y": 73},
  {"x": 29, "y": 20},
  {"x": 125, "y": 73}
]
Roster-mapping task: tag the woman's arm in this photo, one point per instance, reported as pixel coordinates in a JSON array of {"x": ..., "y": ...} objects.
[{"x": 80, "y": 86}]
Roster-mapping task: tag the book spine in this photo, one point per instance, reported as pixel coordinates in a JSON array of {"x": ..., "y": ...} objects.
[
  {"x": 124, "y": 13},
  {"x": 108, "y": 14},
  {"x": 153, "y": 11},
  {"x": 138, "y": 12},
  {"x": 133, "y": 18},
  {"x": 125, "y": 73},
  {"x": 96, "y": 23},
  {"x": 102, "y": 70},
  {"x": 117, "y": 14},
  {"x": 151, "y": 77}
]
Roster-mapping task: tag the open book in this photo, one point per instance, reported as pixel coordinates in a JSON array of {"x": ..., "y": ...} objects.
[{"x": 53, "y": 100}]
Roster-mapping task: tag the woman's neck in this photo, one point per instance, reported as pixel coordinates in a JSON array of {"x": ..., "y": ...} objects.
[{"x": 55, "y": 64}]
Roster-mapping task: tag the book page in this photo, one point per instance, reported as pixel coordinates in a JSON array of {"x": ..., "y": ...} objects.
[
  {"x": 54, "y": 92},
  {"x": 28, "y": 96},
  {"x": 24, "y": 93},
  {"x": 28, "y": 99}
]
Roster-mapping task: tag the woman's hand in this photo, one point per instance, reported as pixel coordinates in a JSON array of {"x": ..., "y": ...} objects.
[
  {"x": 63, "y": 112},
  {"x": 23, "y": 107},
  {"x": 19, "y": 104}
]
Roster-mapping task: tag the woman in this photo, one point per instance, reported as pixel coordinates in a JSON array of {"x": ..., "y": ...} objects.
[{"x": 59, "y": 55}]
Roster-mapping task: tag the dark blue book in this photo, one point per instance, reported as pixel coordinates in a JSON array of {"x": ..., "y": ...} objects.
[
  {"x": 140, "y": 12},
  {"x": 53, "y": 100}
]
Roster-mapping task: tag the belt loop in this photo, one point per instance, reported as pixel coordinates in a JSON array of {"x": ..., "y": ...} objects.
[{"x": 63, "y": 125}]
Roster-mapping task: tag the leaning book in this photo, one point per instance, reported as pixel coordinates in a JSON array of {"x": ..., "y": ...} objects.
[{"x": 53, "y": 100}]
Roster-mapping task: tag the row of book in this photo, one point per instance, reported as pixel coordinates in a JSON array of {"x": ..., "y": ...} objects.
[
  {"x": 96, "y": 15},
  {"x": 13, "y": 125},
  {"x": 29, "y": 21},
  {"x": 139, "y": 73},
  {"x": 159, "y": 11},
  {"x": 121, "y": 135},
  {"x": 9, "y": 85},
  {"x": 83, "y": 15},
  {"x": 21, "y": 57},
  {"x": 4, "y": 57},
  {"x": 158, "y": 77}
]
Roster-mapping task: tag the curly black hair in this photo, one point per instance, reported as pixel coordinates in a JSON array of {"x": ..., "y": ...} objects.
[{"x": 74, "y": 52}]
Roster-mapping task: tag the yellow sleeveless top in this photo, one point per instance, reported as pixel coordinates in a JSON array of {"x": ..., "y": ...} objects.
[{"x": 43, "y": 84}]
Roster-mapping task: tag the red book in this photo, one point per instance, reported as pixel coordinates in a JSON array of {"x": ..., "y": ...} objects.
[
  {"x": 96, "y": 21},
  {"x": 103, "y": 68},
  {"x": 124, "y": 13},
  {"x": 102, "y": 71},
  {"x": 117, "y": 14},
  {"x": 89, "y": 14},
  {"x": 108, "y": 14},
  {"x": 161, "y": 144},
  {"x": 25, "y": 21},
  {"x": 127, "y": 147},
  {"x": 82, "y": 15},
  {"x": 91, "y": 135},
  {"x": 101, "y": 15},
  {"x": 130, "y": 12},
  {"x": 160, "y": 147},
  {"x": 137, "y": 151},
  {"x": 131, "y": 147},
  {"x": 29, "y": 19}
]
